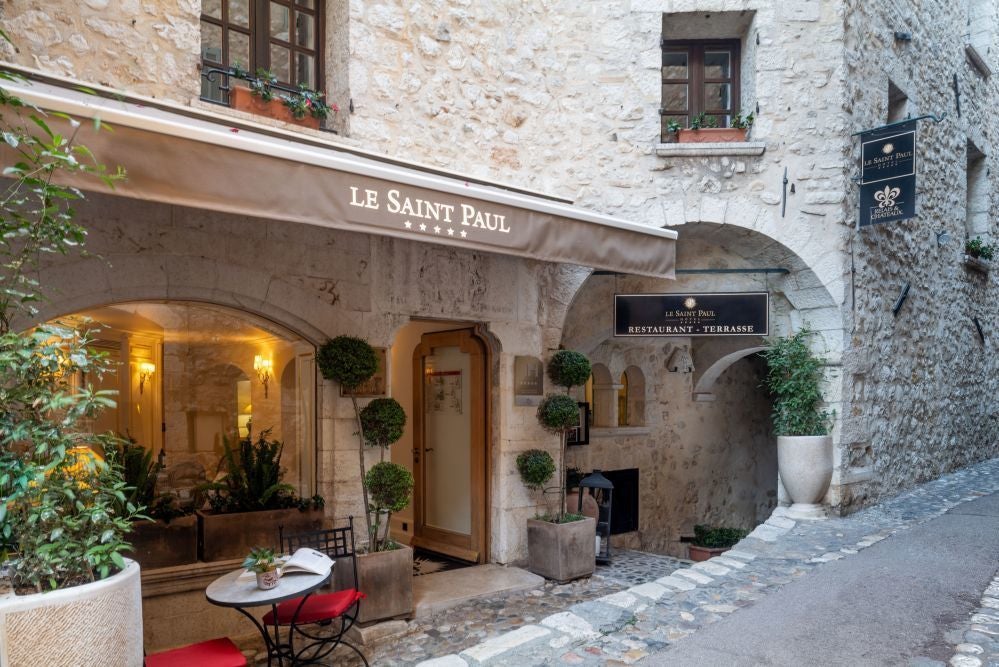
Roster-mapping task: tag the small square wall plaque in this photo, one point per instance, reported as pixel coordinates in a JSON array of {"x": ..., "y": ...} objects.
[{"x": 528, "y": 380}]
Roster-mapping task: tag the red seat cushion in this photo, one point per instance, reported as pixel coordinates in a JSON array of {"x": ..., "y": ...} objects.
[
  {"x": 316, "y": 608},
  {"x": 219, "y": 652}
]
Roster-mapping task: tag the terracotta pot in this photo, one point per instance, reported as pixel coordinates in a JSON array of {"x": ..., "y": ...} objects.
[
  {"x": 561, "y": 551},
  {"x": 267, "y": 580},
  {"x": 243, "y": 99},
  {"x": 699, "y": 554},
  {"x": 228, "y": 536},
  {"x": 590, "y": 507},
  {"x": 805, "y": 465},
  {"x": 93, "y": 624},
  {"x": 386, "y": 577},
  {"x": 156, "y": 544},
  {"x": 712, "y": 135}
]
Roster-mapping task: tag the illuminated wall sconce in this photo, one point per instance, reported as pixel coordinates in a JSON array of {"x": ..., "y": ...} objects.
[
  {"x": 146, "y": 371},
  {"x": 264, "y": 368}
]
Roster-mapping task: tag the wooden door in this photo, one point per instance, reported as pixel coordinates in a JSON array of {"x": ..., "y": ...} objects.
[{"x": 450, "y": 436}]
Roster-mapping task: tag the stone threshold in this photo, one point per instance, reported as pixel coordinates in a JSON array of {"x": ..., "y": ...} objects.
[
  {"x": 722, "y": 149},
  {"x": 434, "y": 593}
]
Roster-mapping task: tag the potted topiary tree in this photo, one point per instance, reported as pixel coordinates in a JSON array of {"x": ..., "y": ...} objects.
[
  {"x": 561, "y": 544},
  {"x": 804, "y": 446},
  {"x": 61, "y": 519},
  {"x": 385, "y": 571}
]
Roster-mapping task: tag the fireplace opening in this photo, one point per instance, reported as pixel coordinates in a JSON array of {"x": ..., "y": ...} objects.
[{"x": 624, "y": 510}]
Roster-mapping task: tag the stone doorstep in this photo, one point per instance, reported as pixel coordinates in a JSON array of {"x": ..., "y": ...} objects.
[
  {"x": 434, "y": 593},
  {"x": 369, "y": 634}
]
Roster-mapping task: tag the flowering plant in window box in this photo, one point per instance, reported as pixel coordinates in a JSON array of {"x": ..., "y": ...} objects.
[
  {"x": 263, "y": 95},
  {"x": 978, "y": 254},
  {"x": 704, "y": 129}
]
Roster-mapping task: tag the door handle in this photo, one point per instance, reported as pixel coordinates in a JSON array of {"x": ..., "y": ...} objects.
[{"x": 429, "y": 449}]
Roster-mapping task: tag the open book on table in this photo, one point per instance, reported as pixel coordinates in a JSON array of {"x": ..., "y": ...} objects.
[{"x": 307, "y": 561}]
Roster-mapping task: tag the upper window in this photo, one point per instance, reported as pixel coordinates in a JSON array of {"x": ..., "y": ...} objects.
[
  {"x": 700, "y": 77},
  {"x": 281, "y": 36}
]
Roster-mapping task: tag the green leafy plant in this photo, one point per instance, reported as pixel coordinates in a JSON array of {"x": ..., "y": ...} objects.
[
  {"x": 252, "y": 480},
  {"x": 978, "y": 248},
  {"x": 166, "y": 507},
  {"x": 536, "y": 468},
  {"x": 559, "y": 413},
  {"x": 673, "y": 127},
  {"x": 794, "y": 378},
  {"x": 712, "y": 537},
  {"x": 260, "y": 560},
  {"x": 569, "y": 369},
  {"x": 262, "y": 85},
  {"x": 743, "y": 122},
  {"x": 390, "y": 487},
  {"x": 347, "y": 360},
  {"x": 382, "y": 421},
  {"x": 308, "y": 102},
  {"x": 703, "y": 120},
  {"x": 64, "y": 515},
  {"x": 140, "y": 471}
]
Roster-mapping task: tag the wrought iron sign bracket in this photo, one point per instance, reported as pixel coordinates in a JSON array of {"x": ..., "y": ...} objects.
[{"x": 929, "y": 116}]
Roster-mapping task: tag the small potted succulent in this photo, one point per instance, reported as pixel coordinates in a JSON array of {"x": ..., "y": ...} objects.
[
  {"x": 262, "y": 562},
  {"x": 704, "y": 129},
  {"x": 710, "y": 541}
]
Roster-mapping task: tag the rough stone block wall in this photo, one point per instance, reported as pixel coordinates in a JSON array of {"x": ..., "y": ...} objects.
[{"x": 920, "y": 387}]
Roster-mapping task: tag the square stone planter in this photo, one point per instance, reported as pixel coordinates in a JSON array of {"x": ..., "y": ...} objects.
[
  {"x": 156, "y": 544},
  {"x": 386, "y": 577},
  {"x": 561, "y": 551},
  {"x": 227, "y": 536}
]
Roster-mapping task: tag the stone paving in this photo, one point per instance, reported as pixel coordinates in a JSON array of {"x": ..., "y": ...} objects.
[
  {"x": 980, "y": 647},
  {"x": 624, "y": 626},
  {"x": 643, "y": 603}
]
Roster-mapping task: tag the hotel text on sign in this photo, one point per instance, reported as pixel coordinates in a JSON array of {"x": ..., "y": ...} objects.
[{"x": 712, "y": 314}]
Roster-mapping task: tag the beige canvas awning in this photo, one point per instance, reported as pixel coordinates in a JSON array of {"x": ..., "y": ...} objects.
[{"x": 197, "y": 158}]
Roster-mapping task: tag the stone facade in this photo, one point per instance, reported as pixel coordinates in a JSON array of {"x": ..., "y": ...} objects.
[{"x": 563, "y": 97}]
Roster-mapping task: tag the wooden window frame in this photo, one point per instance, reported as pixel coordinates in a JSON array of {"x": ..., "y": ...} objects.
[
  {"x": 696, "y": 81},
  {"x": 260, "y": 39}
]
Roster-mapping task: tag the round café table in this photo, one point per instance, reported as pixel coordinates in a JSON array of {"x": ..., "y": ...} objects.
[{"x": 231, "y": 591}]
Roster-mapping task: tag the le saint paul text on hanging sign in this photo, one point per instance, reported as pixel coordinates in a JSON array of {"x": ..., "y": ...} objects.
[
  {"x": 888, "y": 174},
  {"x": 685, "y": 314},
  {"x": 427, "y": 215}
]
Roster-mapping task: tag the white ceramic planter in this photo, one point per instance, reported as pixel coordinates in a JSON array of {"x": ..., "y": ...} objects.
[
  {"x": 805, "y": 464},
  {"x": 93, "y": 624}
]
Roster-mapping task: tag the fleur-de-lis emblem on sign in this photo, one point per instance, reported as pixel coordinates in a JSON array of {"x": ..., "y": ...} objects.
[{"x": 886, "y": 198}]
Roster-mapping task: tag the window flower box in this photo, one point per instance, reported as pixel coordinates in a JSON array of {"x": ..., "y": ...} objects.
[
  {"x": 243, "y": 99},
  {"x": 712, "y": 135},
  {"x": 977, "y": 263}
]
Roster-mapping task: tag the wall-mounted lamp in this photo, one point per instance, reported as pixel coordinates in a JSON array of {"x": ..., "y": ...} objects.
[
  {"x": 146, "y": 371},
  {"x": 264, "y": 368},
  {"x": 902, "y": 36}
]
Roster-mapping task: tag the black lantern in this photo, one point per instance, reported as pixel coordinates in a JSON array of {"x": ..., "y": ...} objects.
[{"x": 601, "y": 489}]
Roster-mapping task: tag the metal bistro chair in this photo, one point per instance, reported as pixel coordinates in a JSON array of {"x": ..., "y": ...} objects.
[{"x": 337, "y": 610}]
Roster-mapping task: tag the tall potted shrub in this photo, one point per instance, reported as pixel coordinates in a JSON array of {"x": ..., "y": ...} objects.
[
  {"x": 62, "y": 519},
  {"x": 385, "y": 571},
  {"x": 560, "y": 544},
  {"x": 804, "y": 446},
  {"x": 250, "y": 503}
]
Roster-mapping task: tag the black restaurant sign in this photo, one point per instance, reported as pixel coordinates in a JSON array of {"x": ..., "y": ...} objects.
[
  {"x": 888, "y": 174},
  {"x": 711, "y": 314}
]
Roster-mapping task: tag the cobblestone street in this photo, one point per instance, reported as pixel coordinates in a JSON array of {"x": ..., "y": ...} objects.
[{"x": 644, "y": 603}]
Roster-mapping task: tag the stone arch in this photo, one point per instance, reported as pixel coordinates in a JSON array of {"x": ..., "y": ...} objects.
[
  {"x": 604, "y": 396},
  {"x": 704, "y": 384}
]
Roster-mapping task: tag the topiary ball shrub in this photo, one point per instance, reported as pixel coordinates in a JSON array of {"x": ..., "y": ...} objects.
[
  {"x": 382, "y": 420},
  {"x": 389, "y": 486},
  {"x": 558, "y": 413},
  {"x": 712, "y": 537},
  {"x": 348, "y": 360},
  {"x": 536, "y": 467},
  {"x": 568, "y": 369}
]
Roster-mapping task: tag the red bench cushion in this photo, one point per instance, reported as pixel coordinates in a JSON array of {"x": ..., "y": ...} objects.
[
  {"x": 219, "y": 652},
  {"x": 317, "y": 607}
]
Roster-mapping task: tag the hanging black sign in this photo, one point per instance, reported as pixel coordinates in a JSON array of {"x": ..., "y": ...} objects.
[
  {"x": 712, "y": 314},
  {"x": 888, "y": 174}
]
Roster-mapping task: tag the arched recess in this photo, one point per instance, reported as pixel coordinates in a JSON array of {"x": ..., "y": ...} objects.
[
  {"x": 636, "y": 396},
  {"x": 604, "y": 396}
]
